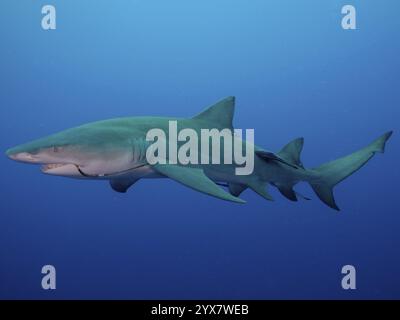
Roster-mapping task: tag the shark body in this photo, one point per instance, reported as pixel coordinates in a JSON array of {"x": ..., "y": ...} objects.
[{"x": 115, "y": 150}]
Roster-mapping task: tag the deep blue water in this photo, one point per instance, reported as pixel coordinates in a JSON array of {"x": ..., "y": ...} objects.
[{"x": 294, "y": 71}]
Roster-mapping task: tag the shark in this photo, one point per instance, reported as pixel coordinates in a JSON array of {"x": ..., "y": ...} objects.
[{"x": 115, "y": 150}]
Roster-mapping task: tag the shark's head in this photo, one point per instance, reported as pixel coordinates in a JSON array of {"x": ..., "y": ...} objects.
[{"x": 87, "y": 151}]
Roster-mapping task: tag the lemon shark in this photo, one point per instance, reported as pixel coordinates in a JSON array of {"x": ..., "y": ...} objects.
[{"x": 115, "y": 150}]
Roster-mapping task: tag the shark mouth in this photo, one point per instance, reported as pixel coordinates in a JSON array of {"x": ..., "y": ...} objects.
[
  {"x": 61, "y": 169},
  {"x": 74, "y": 170},
  {"x": 51, "y": 166},
  {"x": 66, "y": 169}
]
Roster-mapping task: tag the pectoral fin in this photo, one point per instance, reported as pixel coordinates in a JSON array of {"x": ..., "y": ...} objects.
[
  {"x": 196, "y": 179},
  {"x": 122, "y": 184}
]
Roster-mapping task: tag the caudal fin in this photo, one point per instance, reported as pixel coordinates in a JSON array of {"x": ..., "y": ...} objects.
[{"x": 331, "y": 173}]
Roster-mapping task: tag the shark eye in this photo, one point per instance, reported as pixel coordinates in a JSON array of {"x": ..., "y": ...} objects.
[{"x": 34, "y": 152}]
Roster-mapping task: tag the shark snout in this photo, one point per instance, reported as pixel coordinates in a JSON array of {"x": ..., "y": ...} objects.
[
  {"x": 10, "y": 154},
  {"x": 21, "y": 156}
]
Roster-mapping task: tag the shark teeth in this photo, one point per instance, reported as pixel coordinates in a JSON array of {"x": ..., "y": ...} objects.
[{"x": 50, "y": 166}]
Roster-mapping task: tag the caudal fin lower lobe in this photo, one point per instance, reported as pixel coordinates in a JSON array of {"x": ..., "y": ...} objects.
[{"x": 331, "y": 173}]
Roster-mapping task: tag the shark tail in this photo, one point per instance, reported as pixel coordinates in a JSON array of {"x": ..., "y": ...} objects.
[{"x": 330, "y": 174}]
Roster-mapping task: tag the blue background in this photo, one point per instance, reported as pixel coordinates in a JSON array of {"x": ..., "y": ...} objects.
[{"x": 295, "y": 72}]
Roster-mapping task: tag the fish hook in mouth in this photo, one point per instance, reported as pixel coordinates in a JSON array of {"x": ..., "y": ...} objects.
[
  {"x": 85, "y": 174},
  {"x": 108, "y": 174},
  {"x": 63, "y": 169},
  {"x": 51, "y": 167},
  {"x": 68, "y": 169}
]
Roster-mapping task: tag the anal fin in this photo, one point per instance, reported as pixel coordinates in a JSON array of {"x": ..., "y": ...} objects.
[
  {"x": 287, "y": 191},
  {"x": 302, "y": 196},
  {"x": 261, "y": 189}
]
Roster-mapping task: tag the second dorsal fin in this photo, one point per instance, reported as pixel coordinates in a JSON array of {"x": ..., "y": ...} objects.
[{"x": 291, "y": 152}]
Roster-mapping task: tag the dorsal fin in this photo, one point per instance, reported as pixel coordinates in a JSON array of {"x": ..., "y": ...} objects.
[
  {"x": 291, "y": 152},
  {"x": 220, "y": 114}
]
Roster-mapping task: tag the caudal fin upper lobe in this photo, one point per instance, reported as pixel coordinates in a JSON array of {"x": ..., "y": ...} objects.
[{"x": 331, "y": 173}]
